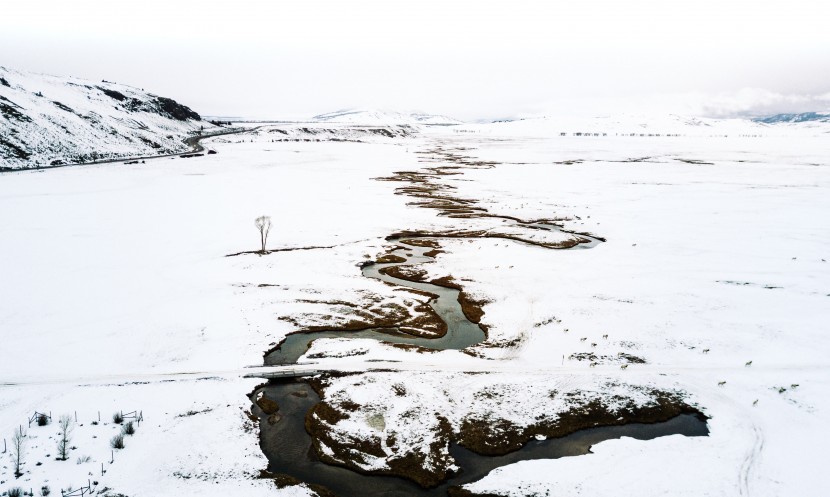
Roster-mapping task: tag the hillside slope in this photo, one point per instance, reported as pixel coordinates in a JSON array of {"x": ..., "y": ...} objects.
[{"x": 48, "y": 120}]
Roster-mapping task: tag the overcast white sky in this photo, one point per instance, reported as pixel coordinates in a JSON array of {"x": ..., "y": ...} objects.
[{"x": 469, "y": 59}]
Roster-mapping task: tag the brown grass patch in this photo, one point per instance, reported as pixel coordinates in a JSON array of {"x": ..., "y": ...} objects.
[{"x": 390, "y": 258}]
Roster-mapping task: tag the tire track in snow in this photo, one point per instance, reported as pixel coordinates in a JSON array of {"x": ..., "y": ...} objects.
[{"x": 751, "y": 460}]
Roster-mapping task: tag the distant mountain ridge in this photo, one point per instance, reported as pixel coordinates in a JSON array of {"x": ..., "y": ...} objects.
[
  {"x": 794, "y": 118},
  {"x": 375, "y": 117},
  {"x": 50, "y": 120}
]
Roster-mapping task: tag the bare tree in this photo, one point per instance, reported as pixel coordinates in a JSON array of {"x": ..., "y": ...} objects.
[
  {"x": 18, "y": 450},
  {"x": 64, "y": 437},
  {"x": 263, "y": 224}
]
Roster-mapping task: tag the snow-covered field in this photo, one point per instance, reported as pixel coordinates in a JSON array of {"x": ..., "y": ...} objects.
[{"x": 117, "y": 295}]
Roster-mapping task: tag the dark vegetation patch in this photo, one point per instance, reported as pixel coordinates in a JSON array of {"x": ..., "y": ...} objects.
[
  {"x": 114, "y": 94},
  {"x": 631, "y": 358},
  {"x": 176, "y": 110},
  {"x": 10, "y": 112},
  {"x": 149, "y": 142},
  {"x": 63, "y": 107},
  {"x": 696, "y": 162},
  {"x": 4, "y": 82},
  {"x": 10, "y": 150},
  {"x": 620, "y": 357},
  {"x": 160, "y": 105}
]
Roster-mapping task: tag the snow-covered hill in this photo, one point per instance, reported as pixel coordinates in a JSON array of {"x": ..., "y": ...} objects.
[
  {"x": 666, "y": 125},
  {"x": 49, "y": 120},
  {"x": 375, "y": 117}
]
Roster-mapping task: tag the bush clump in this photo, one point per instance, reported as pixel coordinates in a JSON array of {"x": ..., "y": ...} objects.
[
  {"x": 117, "y": 441},
  {"x": 128, "y": 428},
  {"x": 117, "y": 418}
]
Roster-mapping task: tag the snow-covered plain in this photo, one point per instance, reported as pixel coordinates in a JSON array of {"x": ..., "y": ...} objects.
[{"x": 117, "y": 295}]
